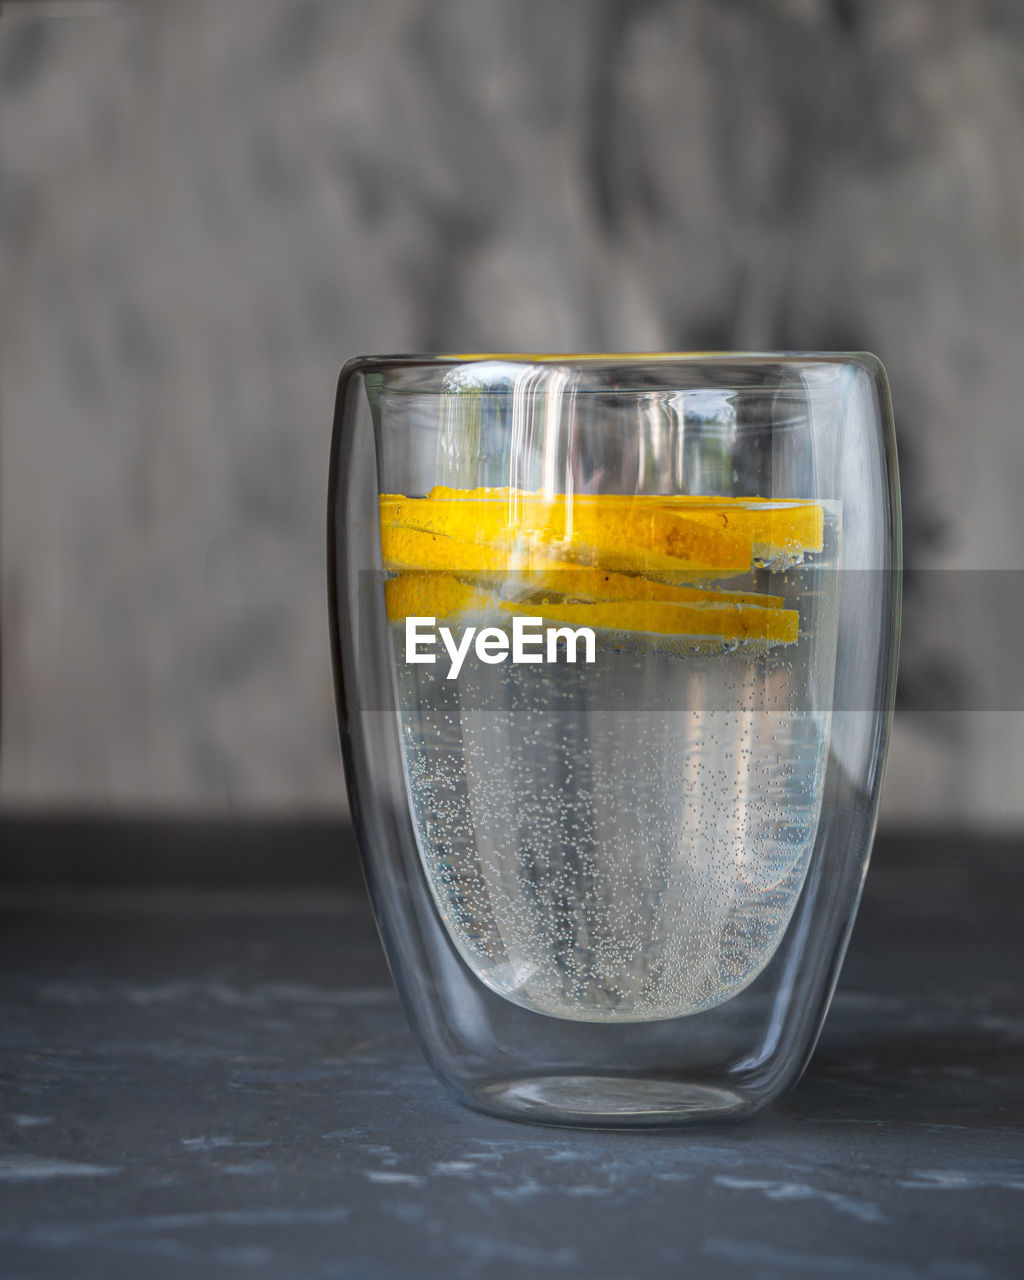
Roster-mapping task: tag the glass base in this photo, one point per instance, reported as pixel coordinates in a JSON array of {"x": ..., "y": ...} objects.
[{"x": 609, "y": 1102}]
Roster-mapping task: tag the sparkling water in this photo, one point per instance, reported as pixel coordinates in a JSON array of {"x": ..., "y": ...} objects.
[{"x": 625, "y": 841}]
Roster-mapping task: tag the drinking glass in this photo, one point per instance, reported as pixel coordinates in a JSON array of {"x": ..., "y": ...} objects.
[{"x": 615, "y": 650}]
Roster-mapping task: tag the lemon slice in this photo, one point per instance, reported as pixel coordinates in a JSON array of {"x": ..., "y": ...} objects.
[
  {"x": 608, "y": 531},
  {"x": 444, "y": 596},
  {"x": 651, "y": 535},
  {"x": 604, "y": 560}
]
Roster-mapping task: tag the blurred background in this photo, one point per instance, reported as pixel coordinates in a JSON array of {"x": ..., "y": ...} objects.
[{"x": 206, "y": 209}]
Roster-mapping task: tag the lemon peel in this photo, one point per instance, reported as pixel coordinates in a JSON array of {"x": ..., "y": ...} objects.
[
  {"x": 617, "y": 562},
  {"x": 445, "y": 596},
  {"x": 646, "y": 534}
]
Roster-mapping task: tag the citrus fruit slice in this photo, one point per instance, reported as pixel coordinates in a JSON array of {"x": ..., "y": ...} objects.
[
  {"x": 445, "y": 597},
  {"x": 617, "y": 562},
  {"x": 651, "y": 535},
  {"x": 607, "y": 530}
]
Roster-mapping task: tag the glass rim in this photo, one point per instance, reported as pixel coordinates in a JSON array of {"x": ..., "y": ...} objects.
[{"x": 666, "y": 358}]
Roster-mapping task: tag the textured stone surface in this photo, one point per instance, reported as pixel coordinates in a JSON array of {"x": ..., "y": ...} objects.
[
  {"x": 206, "y": 208},
  {"x": 223, "y": 1084}
]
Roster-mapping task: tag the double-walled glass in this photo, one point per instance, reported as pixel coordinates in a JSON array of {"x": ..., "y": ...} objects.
[{"x": 615, "y": 650}]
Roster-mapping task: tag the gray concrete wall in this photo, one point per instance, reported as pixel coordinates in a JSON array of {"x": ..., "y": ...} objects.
[{"x": 206, "y": 208}]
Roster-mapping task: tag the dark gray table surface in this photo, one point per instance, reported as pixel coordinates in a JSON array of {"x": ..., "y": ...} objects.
[{"x": 220, "y": 1083}]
